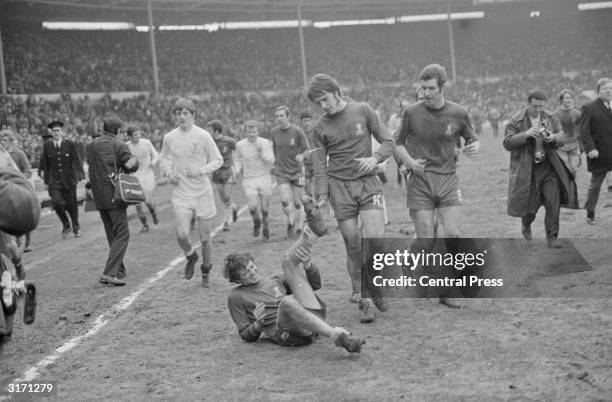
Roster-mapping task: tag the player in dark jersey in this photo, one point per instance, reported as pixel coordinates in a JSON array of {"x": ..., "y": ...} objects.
[
  {"x": 284, "y": 306},
  {"x": 224, "y": 176},
  {"x": 348, "y": 179},
  {"x": 426, "y": 143},
  {"x": 290, "y": 145},
  {"x": 306, "y": 123}
]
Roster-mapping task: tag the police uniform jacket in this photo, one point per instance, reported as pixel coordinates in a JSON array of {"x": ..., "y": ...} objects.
[{"x": 62, "y": 166}]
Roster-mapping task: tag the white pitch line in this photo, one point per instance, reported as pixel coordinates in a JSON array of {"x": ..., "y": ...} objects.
[
  {"x": 105, "y": 317},
  {"x": 50, "y": 257}
]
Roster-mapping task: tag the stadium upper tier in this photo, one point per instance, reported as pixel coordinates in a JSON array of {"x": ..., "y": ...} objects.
[{"x": 40, "y": 61}]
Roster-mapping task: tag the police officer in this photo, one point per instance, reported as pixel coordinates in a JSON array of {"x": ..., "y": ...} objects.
[{"x": 61, "y": 168}]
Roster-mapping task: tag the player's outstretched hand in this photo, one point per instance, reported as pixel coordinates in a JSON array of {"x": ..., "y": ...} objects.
[{"x": 471, "y": 149}]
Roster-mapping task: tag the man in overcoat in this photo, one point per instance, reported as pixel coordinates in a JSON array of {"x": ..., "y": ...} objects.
[
  {"x": 595, "y": 126},
  {"x": 537, "y": 174},
  {"x": 106, "y": 156}
]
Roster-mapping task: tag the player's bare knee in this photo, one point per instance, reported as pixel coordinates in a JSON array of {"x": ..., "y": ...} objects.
[
  {"x": 289, "y": 304},
  {"x": 289, "y": 263},
  {"x": 353, "y": 245},
  {"x": 182, "y": 234}
]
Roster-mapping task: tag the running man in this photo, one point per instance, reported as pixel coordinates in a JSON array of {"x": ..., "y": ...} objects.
[
  {"x": 189, "y": 155},
  {"x": 146, "y": 155},
  {"x": 426, "y": 143},
  {"x": 344, "y": 133},
  {"x": 254, "y": 160},
  {"x": 224, "y": 176},
  {"x": 290, "y": 146}
]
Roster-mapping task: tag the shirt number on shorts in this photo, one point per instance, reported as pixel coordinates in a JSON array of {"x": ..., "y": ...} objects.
[{"x": 377, "y": 200}]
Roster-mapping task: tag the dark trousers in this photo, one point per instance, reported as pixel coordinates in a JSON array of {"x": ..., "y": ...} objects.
[
  {"x": 118, "y": 235},
  {"x": 597, "y": 178},
  {"x": 545, "y": 189},
  {"x": 65, "y": 204}
]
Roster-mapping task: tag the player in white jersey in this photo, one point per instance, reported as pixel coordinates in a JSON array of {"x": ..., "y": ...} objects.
[
  {"x": 144, "y": 151},
  {"x": 254, "y": 161},
  {"x": 188, "y": 157}
]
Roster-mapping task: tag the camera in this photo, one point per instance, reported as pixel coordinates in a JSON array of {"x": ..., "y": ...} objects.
[{"x": 544, "y": 130}]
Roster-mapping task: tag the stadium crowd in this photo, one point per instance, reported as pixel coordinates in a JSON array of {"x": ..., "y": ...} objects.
[
  {"x": 40, "y": 61},
  {"x": 242, "y": 75},
  {"x": 28, "y": 117}
]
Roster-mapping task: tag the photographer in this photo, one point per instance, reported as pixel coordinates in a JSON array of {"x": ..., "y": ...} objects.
[
  {"x": 106, "y": 155},
  {"x": 537, "y": 174}
]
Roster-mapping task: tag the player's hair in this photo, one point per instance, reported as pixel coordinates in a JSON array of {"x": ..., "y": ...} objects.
[
  {"x": 251, "y": 123},
  {"x": 433, "y": 71},
  {"x": 234, "y": 263},
  {"x": 131, "y": 130},
  {"x": 305, "y": 115},
  {"x": 183, "y": 103},
  {"x": 601, "y": 82},
  {"x": 215, "y": 125},
  {"x": 563, "y": 93},
  {"x": 536, "y": 94},
  {"x": 283, "y": 107},
  {"x": 112, "y": 124},
  {"x": 320, "y": 84}
]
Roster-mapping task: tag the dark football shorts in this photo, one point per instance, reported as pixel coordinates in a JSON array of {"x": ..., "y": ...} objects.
[
  {"x": 432, "y": 190},
  {"x": 349, "y": 197},
  {"x": 288, "y": 332},
  {"x": 222, "y": 176},
  {"x": 297, "y": 180}
]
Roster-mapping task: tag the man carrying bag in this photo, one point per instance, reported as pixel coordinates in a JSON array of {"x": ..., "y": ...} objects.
[{"x": 108, "y": 157}]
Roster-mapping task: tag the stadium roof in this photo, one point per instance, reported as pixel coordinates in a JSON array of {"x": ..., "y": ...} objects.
[{"x": 185, "y": 11}]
